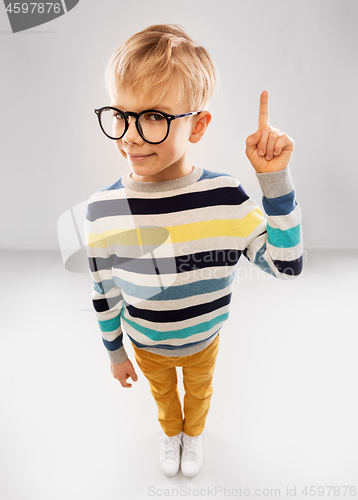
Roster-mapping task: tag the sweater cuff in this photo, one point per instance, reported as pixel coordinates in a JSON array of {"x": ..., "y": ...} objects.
[
  {"x": 119, "y": 356},
  {"x": 274, "y": 184}
]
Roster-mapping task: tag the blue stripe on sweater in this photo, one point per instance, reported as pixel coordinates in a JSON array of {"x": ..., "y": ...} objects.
[
  {"x": 290, "y": 267},
  {"x": 183, "y": 263},
  {"x": 178, "y": 314},
  {"x": 104, "y": 286},
  {"x": 183, "y": 333},
  {"x": 207, "y": 174},
  {"x": 110, "y": 324},
  {"x": 116, "y": 185},
  {"x": 114, "y": 344},
  {"x": 226, "y": 195},
  {"x": 107, "y": 303},
  {"x": 282, "y": 205},
  {"x": 261, "y": 262},
  {"x": 173, "y": 292},
  {"x": 284, "y": 239},
  {"x": 170, "y": 347}
]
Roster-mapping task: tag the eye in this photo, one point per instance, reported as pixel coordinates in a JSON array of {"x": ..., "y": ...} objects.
[
  {"x": 155, "y": 117},
  {"x": 113, "y": 113}
]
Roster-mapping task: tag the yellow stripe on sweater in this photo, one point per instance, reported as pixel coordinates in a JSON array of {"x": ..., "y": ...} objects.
[
  {"x": 179, "y": 234},
  {"x": 127, "y": 237},
  {"x": 217, "y": 228}
]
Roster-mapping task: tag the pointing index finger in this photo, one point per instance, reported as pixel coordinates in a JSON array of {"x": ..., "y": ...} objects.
[{"x": 264, "y": 109}]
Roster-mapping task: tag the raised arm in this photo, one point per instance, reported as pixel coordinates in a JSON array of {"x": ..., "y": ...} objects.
[{"x": 276, "y": 244}]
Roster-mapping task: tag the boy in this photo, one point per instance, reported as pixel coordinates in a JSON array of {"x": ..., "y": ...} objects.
[{"x": 164, "y": 240}]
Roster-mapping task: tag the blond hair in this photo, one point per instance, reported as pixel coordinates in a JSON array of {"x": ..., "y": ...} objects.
[{"x": 148, "y": 60}]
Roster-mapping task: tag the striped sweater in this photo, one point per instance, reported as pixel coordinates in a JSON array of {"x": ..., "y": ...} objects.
[{"x": 162, "y": 255}]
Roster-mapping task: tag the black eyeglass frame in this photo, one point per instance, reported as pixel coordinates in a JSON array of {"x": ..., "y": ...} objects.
[{"x": 125, "y": 114}]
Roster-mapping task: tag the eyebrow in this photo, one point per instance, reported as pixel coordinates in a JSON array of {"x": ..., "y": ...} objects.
[
  {"x": 164, "y": 108},
  {"x": 158, "y": 108}
]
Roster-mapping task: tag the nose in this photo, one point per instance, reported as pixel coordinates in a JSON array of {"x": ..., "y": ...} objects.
[{"x": 132, "y": 136}]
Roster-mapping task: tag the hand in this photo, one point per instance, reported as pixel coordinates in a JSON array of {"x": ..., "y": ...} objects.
[
  {"x": 124, "y": 370},
  {"x": 277, "y": 147}
]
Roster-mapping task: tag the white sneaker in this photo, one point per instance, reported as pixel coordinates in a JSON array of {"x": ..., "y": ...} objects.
[
  {"x": 192, "y": 455},
  {"x": 169, "y": 456}
]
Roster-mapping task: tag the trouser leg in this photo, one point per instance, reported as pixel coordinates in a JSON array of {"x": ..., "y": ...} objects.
[
  {"x": 163, "y": 386},
  {"x": 197, "y": 379}
]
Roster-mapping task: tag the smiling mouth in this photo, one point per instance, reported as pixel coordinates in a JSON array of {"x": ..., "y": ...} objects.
[{"x": 138, "y": 157}]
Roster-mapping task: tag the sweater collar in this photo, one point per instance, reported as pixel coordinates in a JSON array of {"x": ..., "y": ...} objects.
[{"x": 153, "y": 187}]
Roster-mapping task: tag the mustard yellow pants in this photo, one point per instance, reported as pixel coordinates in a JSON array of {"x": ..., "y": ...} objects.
[{"x": 198, "y": 371}]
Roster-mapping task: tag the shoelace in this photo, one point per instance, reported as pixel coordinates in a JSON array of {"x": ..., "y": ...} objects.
[
  {"x": 189, "y": 447},
  {"x": 171, "y": 445}
]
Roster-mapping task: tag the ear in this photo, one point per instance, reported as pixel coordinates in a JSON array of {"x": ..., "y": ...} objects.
[{"x": 201, "y": 124}]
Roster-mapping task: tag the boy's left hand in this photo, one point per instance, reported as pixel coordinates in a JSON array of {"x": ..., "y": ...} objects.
[{"x": 277, "y": 147}]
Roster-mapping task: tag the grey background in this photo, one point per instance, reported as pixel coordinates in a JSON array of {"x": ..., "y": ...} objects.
[
  {"x": 284, "y": 408},
  {"x": 54, "y": 155}
]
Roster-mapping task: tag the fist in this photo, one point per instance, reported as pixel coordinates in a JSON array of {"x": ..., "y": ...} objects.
[
  {"x": 268, "y": 149},
  {"x": 123, "y": 371}
]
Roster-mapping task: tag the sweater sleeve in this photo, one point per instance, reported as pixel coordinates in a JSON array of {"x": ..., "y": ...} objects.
[
  {"x": 276, "y": 244},
  {"x": 106, "y": 297}
]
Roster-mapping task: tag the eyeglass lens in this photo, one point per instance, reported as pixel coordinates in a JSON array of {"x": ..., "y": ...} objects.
[{"x": 153, "y": 126}]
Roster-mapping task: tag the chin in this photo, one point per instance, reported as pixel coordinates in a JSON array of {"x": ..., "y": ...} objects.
[{"x": 144, "y": 171}]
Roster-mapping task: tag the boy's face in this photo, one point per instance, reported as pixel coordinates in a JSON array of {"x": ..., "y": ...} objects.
[{"x": 168, "y": 160}]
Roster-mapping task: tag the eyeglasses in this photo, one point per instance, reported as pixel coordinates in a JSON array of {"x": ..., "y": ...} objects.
[{"x": 153, "y": 126}]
